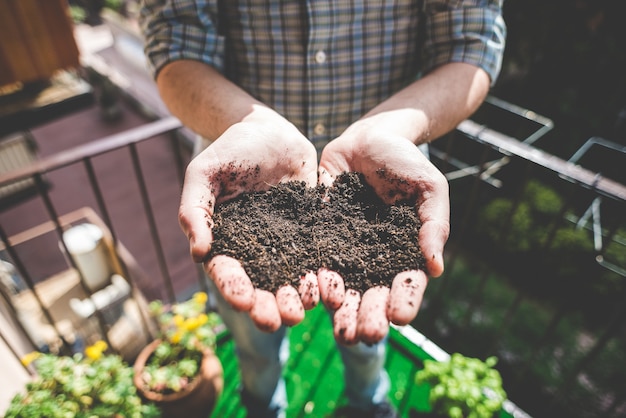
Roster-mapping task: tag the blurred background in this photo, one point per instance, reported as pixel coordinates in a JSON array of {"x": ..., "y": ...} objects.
[{"x": 535, "y": 265}]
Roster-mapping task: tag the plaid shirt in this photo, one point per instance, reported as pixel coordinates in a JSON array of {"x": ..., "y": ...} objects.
[{"x": 323, "y": 64}]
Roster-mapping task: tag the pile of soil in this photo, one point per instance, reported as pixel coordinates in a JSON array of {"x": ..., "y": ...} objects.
[{"x": 281, "y": 234}]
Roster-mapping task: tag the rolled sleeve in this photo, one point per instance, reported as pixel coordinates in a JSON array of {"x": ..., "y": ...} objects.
[
  {"x": 181, "y": 29},
  {"x": 471, "y": 32}
]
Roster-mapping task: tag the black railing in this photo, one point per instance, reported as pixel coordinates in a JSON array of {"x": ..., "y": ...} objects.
[
  {"x": 23, "y": 252},
  {"x": 535, "y": 268}
]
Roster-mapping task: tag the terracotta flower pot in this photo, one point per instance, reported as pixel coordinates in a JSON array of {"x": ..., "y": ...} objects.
[{"x": 197, "y": 399}]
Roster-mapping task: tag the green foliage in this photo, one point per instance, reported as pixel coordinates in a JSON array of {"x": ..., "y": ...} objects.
[
  {"x": 572, "y": 240},
  {"x": 531, "y": 241},
  {"x": 185, "y": 331},
  {"x": 542, "y": 199},
  {"x": 78, "y": 14},
  {"x": 523, "y": 225},
  {"x": 93, "y": 385},
  {"x": 114, "y": 4},
  {"x": 615, "y": 252},
  {"x": 463, "y": 387},
  {"x": 494, "y": 217}
]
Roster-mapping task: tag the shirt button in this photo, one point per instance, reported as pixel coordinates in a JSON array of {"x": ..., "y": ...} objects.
[
  {"x": 319, "y": 129},
  {"x": 320, "y": 57}
]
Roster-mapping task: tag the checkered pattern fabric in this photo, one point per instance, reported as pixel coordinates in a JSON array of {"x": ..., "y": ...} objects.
[{"x": 323, "y": 63}]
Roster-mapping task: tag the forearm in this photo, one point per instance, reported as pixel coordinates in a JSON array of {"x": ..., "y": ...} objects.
[
  {"x": 431, "y": 106},
  {"x": 208, "y": 103}
]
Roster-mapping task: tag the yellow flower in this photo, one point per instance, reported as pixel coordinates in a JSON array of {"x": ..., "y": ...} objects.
[
  {"x": 200, "y": 297},
  {"x": 179, "y": 320},
  {"x": 191, "y": 324},
  {"x": 202, "y": 319},
  {"x": 95, "y": 351},
  {"x": 101, "y": 345},
  {"x": 176, "y": 337},
  {"x": 30, "y": 357}
]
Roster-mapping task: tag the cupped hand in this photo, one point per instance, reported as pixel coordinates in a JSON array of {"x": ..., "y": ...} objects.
[
  {"x": 397, "y": 171},
  {"x": 247, "y": 157}
]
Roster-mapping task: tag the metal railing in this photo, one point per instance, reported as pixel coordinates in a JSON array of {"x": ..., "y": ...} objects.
[
  {"x": 532, "y": 277},
  {"x": 566, "y": 358},
  {"x": 30, "y": 276}
]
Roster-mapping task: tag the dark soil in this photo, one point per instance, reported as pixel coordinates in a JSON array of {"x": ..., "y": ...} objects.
[{"x": 281, "y": 234}]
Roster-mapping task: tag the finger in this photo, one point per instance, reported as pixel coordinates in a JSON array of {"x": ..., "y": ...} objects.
[
  {"x": 325, "y": 178},
  {"x": 432, "y": 239},
  {"x": 405, "y": 296},
  {"x": 289, "y": 305},
  {"x": 197, "y": 225},
  {"x": 309, "y": 291},
  {"x": 434, "y": 212},
  {"x": 232, "y": 281},
  {"x": 194, "y": 214},
  {"x": 264, "y": 312},
  {"x": 345, "y": 319},
  {"x": 332, "y": 288},
  {"x": 372, "y": 322}
]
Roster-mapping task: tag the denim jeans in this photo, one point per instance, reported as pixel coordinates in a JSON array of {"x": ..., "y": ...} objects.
[{"x": 261, "y": 357}]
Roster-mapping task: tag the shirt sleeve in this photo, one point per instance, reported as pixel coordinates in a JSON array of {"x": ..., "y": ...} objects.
[
  {"x": 181, "y": 29},
  {"x": 469, "y": 31}
]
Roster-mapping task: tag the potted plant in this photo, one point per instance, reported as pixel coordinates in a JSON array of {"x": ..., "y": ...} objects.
[
  {"x": 179, "y": 371},
  {"x": 463, "y": 387},
  {"x": 84, "y": 385}
]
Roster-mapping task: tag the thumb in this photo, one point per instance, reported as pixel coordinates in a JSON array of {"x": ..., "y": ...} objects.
[
  {"x": 433, "y": 236},
  {"x": 194, "y": 217}
]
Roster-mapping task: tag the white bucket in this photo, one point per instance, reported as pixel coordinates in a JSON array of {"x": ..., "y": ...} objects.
[{"x": 86, "y": 245}]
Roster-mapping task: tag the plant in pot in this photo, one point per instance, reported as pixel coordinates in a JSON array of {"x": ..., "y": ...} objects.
[
  {"x": 179, "y": 371},
  {"x": 463, "y": 387},
  {"x": 92, "y": 384}
]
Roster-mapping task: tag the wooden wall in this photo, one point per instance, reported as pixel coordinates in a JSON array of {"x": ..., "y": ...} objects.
[{"x": 36, "y": 39}]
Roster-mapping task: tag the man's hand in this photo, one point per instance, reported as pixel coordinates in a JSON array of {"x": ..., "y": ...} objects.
[
  {"x": 409, "y": 175},
  {"x": 247, "y": 157},
  {"x": 385, "y": 138}
]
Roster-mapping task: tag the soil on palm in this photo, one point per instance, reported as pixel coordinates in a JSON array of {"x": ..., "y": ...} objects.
[{"x": 291, "y": 229}]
